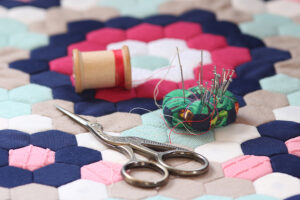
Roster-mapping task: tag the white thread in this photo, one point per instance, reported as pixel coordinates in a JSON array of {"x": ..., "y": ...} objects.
[{"x": 156, "y": 90}]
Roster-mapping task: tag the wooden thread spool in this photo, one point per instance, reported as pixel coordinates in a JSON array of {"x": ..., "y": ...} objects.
[{"x": 102, "y": 69}]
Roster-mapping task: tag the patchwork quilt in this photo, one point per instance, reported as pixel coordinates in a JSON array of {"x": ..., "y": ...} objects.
[{"x": 44, "y": 155}]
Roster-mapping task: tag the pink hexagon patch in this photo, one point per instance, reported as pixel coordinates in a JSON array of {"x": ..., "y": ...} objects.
[
  {"x": 102, "y": 171},
  {"x": 105, "y": 36},
  {"x": 63, "y": 65},
  {"x": 182, "y": 30},
  {"x": 145, "y": 32},
  {"x": 115, "y": 94},
  {"x": 293, "y": 146},
  {"x": 247, "y": 167},
  {"x": 207, "y": 41},
  {"x": 85, "y": 46},
  {"x": 233, "y": 56},
  {"x": 31, "y": 157}
]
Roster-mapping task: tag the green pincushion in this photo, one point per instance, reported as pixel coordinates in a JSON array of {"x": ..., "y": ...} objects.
[{"x": 191, "y": 113}]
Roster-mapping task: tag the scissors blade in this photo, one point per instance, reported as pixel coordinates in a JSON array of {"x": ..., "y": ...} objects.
[{"x": 83, "y": 122}]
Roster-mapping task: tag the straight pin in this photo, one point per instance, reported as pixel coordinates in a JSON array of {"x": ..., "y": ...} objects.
[
  {"x": 205, "y": 88},
  {"x": 200, "y": 87},
  {"x": 232, "y": 73},
  {"x": 200, "y": 75},
  {"x": 205, "y": 96},
  {"x": 226, "y": 86},
  {"x": 210, "y": 93},
  {"x": 213, "y": 85},
  {"x": 225, "y": 80},
  {"x": 227, "y": 74},
  {"x": 217, "y": 76},
  {"x": 221, "y": 89},
  {"x": 182, "y": 81},
  {"x": 222, "y": 76},
  {"x": 202, "y": 97},
  {"x": 228, "y": 82},
  {"x": 214, "y": 99},
  {"x": 217, "y": 84}
]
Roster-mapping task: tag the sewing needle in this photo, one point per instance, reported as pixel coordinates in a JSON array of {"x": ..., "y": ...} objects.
[{"x": 182, "y": 81}]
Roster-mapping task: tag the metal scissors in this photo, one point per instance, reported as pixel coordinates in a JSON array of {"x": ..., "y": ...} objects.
[{"x": 160, "y": 152}]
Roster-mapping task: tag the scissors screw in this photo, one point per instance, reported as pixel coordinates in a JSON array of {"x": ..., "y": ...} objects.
[{"x": 97, "y": 126}]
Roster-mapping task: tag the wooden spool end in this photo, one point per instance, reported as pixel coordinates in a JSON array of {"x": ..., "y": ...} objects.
[
  {"x": 127, "y": 67},
  {"x": 77, "y": 65}
]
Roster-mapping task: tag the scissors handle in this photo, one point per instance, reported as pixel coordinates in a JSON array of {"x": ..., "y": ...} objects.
[
  {"x": 134, "y": 164},
  {"x": 193, "y": 156}
]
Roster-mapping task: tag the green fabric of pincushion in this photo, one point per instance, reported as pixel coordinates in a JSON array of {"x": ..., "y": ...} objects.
[{"x": 191, "y": 113}]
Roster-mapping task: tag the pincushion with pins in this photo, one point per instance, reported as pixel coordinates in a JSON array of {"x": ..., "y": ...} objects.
[{"x": 201, "y": 108}]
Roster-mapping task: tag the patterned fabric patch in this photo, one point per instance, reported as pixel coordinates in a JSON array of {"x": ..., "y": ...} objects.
[
  {"x": 247, "y": 167},
  {"x": 31, "y": 157},
  {"x": 293, "y": 146}
]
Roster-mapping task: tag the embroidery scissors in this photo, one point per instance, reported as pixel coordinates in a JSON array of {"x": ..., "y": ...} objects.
[{"x": 160, "y": 152}]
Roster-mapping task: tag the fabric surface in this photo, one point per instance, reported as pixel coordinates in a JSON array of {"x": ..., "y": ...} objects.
[
  {"x": 31, "y": 157},
  {"x": 247, "y": 167},
  {"x": 34, "y": 191},
  {"x": 45, "y": 155}
]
